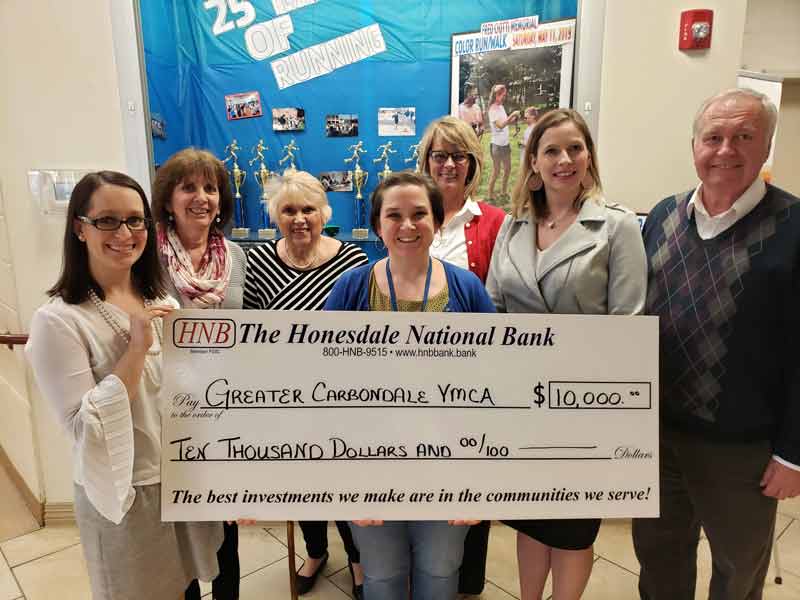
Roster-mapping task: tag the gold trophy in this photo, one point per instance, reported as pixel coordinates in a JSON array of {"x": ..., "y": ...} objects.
[
  {"x": 414, "y": 149},
  {"x": 263, "y": 177},
  {"x": 289, "y": 150},
  {"x": 240, "y": 229},
  {"x": 386, "y": 151},
  {"x": 359, "y": 177}
]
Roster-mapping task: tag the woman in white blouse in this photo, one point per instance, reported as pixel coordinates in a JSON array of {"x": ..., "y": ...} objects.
[{"x": 95, "y": 348}]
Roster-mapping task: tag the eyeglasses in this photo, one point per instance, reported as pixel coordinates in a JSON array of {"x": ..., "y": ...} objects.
[
  {"x": 133, "y": 223},
  {"x": 440, "y": 157}
]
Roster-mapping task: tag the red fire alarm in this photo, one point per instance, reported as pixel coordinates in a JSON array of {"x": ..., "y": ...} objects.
[{"x": 695, "y": 32}]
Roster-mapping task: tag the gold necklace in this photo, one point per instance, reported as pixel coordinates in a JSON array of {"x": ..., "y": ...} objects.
[
  {"x": 299, "y": 267},
  {"x": 553, "y": 222}
]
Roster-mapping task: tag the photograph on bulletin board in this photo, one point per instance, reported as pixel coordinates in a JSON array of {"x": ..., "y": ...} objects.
[
  {"x": 511, "y": 78},
  {"x": 341, "y": 125},
  {"x": 336, "y": 181},
  {"x": 243, "y": 106},
  {"x": 397, "y": 121},
  {"x": 288, "y": 119}
]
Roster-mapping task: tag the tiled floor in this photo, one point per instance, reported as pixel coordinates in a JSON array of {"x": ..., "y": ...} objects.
[{"x": 48, "y": 563}]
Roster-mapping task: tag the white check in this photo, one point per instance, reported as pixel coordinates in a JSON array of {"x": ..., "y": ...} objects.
[{"x": 320, "y": 416}]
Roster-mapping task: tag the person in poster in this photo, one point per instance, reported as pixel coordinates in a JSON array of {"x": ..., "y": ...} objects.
[
  {"x": 500, "y": 147},
  {"x": 470, "y": 112},
  {"x": 531, "y": 114}
]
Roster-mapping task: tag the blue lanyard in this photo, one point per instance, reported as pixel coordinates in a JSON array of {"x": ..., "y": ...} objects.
[{"x": 392, "y": 294}]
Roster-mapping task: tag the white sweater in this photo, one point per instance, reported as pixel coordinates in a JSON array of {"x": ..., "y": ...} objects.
[{"x": 116, "y": 443}]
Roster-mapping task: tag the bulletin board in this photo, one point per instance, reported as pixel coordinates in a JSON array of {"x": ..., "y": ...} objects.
[{"x": 338, "y": 61}]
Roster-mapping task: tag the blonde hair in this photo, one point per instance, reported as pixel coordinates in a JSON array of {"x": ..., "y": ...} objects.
[
  {"x": 768, "y": 108},
  {"x": 494, "y": 91},
  {"x": 523, "y": 198},
  {"x": 297, "y": 185},
  {"x": 453, "y": 130}
]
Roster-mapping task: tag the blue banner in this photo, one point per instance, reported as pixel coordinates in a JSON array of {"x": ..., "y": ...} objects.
[{"x": 197, "y": 52}]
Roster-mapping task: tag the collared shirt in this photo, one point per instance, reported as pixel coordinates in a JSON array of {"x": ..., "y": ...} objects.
[
  {"x": 450, "y": 242},
  {"x": 709, "y": 227}
]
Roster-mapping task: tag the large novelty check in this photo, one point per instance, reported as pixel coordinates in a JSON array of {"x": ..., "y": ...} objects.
[{"x": 315, "y": 416}]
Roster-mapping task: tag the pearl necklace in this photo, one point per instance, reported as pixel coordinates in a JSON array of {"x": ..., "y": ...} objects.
[{"x": 117, "y": 328}]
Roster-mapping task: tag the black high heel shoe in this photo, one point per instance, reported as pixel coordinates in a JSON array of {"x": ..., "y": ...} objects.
[
  {"x": 304, "y": 584},
  {"x": 358, "y": 590}
]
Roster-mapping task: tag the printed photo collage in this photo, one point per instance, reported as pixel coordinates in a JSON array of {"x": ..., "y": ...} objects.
[{"x": 392, "y": 121}]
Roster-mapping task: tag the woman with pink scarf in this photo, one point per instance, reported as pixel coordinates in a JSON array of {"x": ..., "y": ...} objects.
[{"x": 192, "y": 202}]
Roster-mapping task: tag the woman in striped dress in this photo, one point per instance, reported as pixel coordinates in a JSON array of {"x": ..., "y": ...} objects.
[{"x": 297, "y": 273}]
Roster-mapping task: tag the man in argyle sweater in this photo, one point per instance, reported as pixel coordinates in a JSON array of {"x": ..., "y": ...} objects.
[{"x": 724, "y": 278}]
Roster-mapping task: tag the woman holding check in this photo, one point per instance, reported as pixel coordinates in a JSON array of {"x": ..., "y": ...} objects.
[
  {"x": 564, "y": 250},
  {"x": 407, "y": 209},
  {"x": 297, "y": 273},
  {"x": 95, "y": 349},
  {"x": 192, "y": 203}
]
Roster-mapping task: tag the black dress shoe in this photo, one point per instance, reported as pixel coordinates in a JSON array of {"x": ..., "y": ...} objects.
[
  {"x": 358, "y": 590},
  {"x": 304, "y": 584}
]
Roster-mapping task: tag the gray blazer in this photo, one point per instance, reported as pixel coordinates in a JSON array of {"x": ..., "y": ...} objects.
[{"x": 597, "y": 266}]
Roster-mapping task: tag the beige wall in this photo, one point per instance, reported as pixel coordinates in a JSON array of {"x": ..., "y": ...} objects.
[
  {"x": 785, "y": 173},
  {"x": 651, "y": 90},
  {"x": 59, "y": 108},
  {"x": 771, "y": 41}
]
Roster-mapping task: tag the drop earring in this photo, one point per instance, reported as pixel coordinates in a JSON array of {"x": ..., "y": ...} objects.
[{"x": 534, "y": 181}]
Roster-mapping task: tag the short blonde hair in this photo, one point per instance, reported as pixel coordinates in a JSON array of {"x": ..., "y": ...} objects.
[
  {"x": 523, "y": 198},
  {"x": 453, "y": 130},
  {"x": 768, "y": 108},
  {"x": 297, "y": 185}
]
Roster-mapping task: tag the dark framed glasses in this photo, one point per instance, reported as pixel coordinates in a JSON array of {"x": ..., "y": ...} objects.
[
  {"x": 440, "y": 157},
  {"x": 133, "y": 223}
]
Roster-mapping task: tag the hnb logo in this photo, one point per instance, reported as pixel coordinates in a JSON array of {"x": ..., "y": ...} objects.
[{"x": 204, "y": 333}]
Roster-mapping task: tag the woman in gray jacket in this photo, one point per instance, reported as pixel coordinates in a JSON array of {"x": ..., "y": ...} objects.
[{"x": 564, "y": 249}]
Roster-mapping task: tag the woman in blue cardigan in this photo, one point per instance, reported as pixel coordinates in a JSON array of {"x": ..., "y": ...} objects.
[{"x": 407, "y": 209}]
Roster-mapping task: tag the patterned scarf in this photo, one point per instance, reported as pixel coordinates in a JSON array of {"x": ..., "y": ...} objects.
[{"x": 206, "y": 287}]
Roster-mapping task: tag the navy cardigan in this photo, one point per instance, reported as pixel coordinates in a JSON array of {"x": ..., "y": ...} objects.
[{"x": 467, "y": 293}]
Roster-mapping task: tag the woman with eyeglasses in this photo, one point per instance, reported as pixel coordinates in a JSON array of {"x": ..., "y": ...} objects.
[
  {"x": 95, "y": 349},
  {"x": 452, "y": 156},
  {"x": 192, "y": 202}
]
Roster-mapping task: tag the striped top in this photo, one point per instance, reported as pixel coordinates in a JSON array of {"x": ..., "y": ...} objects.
[{"x": 271, "y": 284}]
